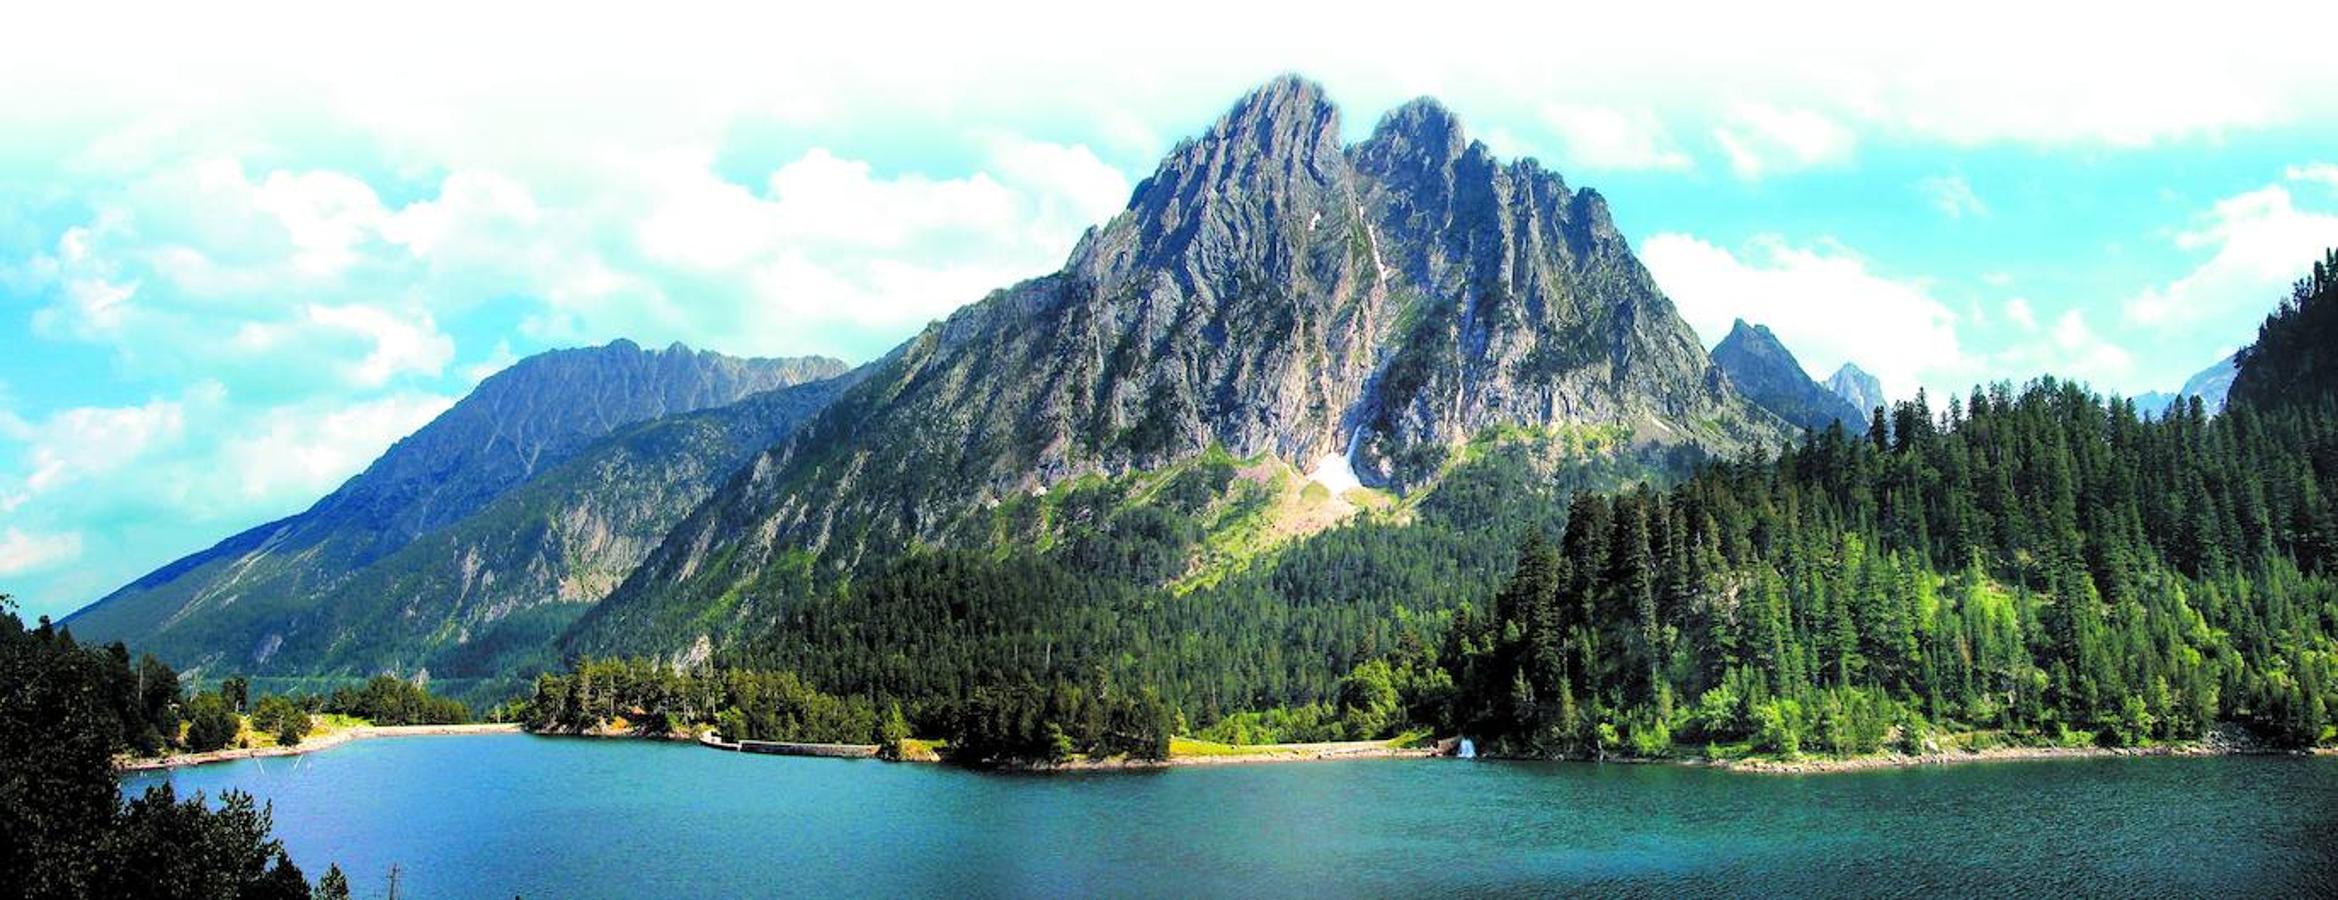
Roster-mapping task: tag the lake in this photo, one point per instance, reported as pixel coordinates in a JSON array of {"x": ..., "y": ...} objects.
[{"x": 505, "y": 815}]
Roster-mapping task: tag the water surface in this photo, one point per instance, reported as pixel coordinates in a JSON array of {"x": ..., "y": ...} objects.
[{"x": 505, "y": 815}]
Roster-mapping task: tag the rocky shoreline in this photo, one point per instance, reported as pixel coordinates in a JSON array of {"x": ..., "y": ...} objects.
[{"x": 320, "y": 742}]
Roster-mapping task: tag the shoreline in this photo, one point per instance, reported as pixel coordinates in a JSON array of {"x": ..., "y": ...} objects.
[
  {"x": 1272, "y": 754},
  {"x": 2215, "y": 745},
  {"x": 1829, "y": 765},
  {"x": 311, "y": 745},
  {"x": 1335, "y": 751}
]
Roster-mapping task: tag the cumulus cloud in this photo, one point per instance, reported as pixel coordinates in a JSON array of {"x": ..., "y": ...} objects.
[
  {"x": 1760, "y": 139},
  {"x": 2086, "y": 355},
  {"x": 284, "y": 456},
  {"x": 318, "y": 320},
  {"x": 2069, "y": 346},
  {"x": 311, "y": 224},
  {"x": 1952, "y": 195},
  {"x": 2019, "y": 311},
  {"x": 2325, "y": 174},
  {"x": 86, "y": 442},
  {"x": 22, "y": 552},
  {"x": 2257, "y": 243},
  {"x": 1600, "y": 137},
  {"x": 99, "y": 495},
  {"x": 1822, "y": 300}
]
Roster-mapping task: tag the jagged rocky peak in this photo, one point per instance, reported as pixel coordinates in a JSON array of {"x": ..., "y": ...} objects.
[
  {"x": 1863, "y": 391},
  {"x": 1761, "y": 366},
  {"x": 1421, "y": 135},
  {"x": 1267, "y": 290},
  {"x": 1251, "y": 295},
  {"x": 1246, "y": 192}
]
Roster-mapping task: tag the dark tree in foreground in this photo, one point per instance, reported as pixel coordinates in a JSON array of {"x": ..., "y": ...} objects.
[{"x": 65, "y": 712}]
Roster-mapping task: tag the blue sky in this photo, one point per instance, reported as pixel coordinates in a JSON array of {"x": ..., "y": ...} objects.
[{"x": 244, "y": 249}]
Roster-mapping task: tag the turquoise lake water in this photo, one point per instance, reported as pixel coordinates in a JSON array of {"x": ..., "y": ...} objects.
[{"x": 506, "y": 815}]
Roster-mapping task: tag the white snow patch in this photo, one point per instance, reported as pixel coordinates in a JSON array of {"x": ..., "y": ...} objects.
[
  {"x": 1334, "y": 473},
  {"x": 1378, "y": 267},
  {"x": 1311, "y": 223}
]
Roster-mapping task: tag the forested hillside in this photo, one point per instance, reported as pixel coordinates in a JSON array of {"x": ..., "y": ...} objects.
[
  {"x": 2033, "y": 563},
  {"x": 2295, "y": 358},
  {"x": 2026, "y": 566}
]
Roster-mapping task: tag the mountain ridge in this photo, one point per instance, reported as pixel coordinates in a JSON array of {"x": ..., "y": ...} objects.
[
  {"x": 515, "y": 424},
  {"x": 1761, "y": 366},
  {"x": 1266, "y": 290}
]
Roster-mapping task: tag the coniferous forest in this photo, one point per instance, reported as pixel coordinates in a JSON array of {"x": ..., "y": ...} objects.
[
  {"x": 2035, "y": 564},
  {"x": 2029, "y": 565},
  {"x": 2023, "y": 565},
  {"x": 66, "y": 830}
]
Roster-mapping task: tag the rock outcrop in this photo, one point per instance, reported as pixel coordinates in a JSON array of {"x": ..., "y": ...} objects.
[
  {"x": 1768, "y": 374},
  {"x": 1267, "y": 290}
]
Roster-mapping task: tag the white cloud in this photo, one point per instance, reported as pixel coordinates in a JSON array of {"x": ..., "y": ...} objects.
[
  {"x": 1065, "y": 183},
  {"x": 2069, "y": 346},
  {"x": 2258, "y": 243},
  {"x": 1601, "y": 137},
  {"x": 1761, "y": 139},
  {"x": 1952, "y": 195},
  {"x": 84, "y": 442},
  {"x": 2085, "y": 355},
  {"x": 302, "y": 183},
  {"x": 21, "y": 552},
  {"x": 98, "y": 495},
  {"x": 2018, "y": 309},
  {"x": 2325, "y": 174},
  {"x": 1822, "y": 301},
  {"x": 399, "y": 344},
  {"x": 287, "y": 456}
]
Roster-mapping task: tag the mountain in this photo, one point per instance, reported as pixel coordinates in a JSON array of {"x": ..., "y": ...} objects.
[
  {"x": 2153, "y": 403},
  {"x": 478, "y": 598},
  {"x": 240, "y": 601},
  {"x": 2209, "y": 384},
  {"x": 1858, "y": 388},
  {"x": 2212, "y": 384},
  {"x": 1762, "y": 367},
  {"x": 1268, "y": 294}
]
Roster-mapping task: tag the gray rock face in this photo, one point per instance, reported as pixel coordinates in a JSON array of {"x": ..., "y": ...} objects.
[
  {"x": 1266, "y": 289},
  {"x": 1853, "y": 384},
  {"x": 491, "y": 591},
  {"x": 1767, "y": 373},
  {"x": 237, "y": 602},
  {"x": 2212, "y": 384}
]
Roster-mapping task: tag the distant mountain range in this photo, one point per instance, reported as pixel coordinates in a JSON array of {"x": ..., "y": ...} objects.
[
  {"x": 535, "y": 489},
  {"x": 1769, "y": 375},
  {"x": 2210, "y": 385},
  {"x": 1273, "y": 310}
]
